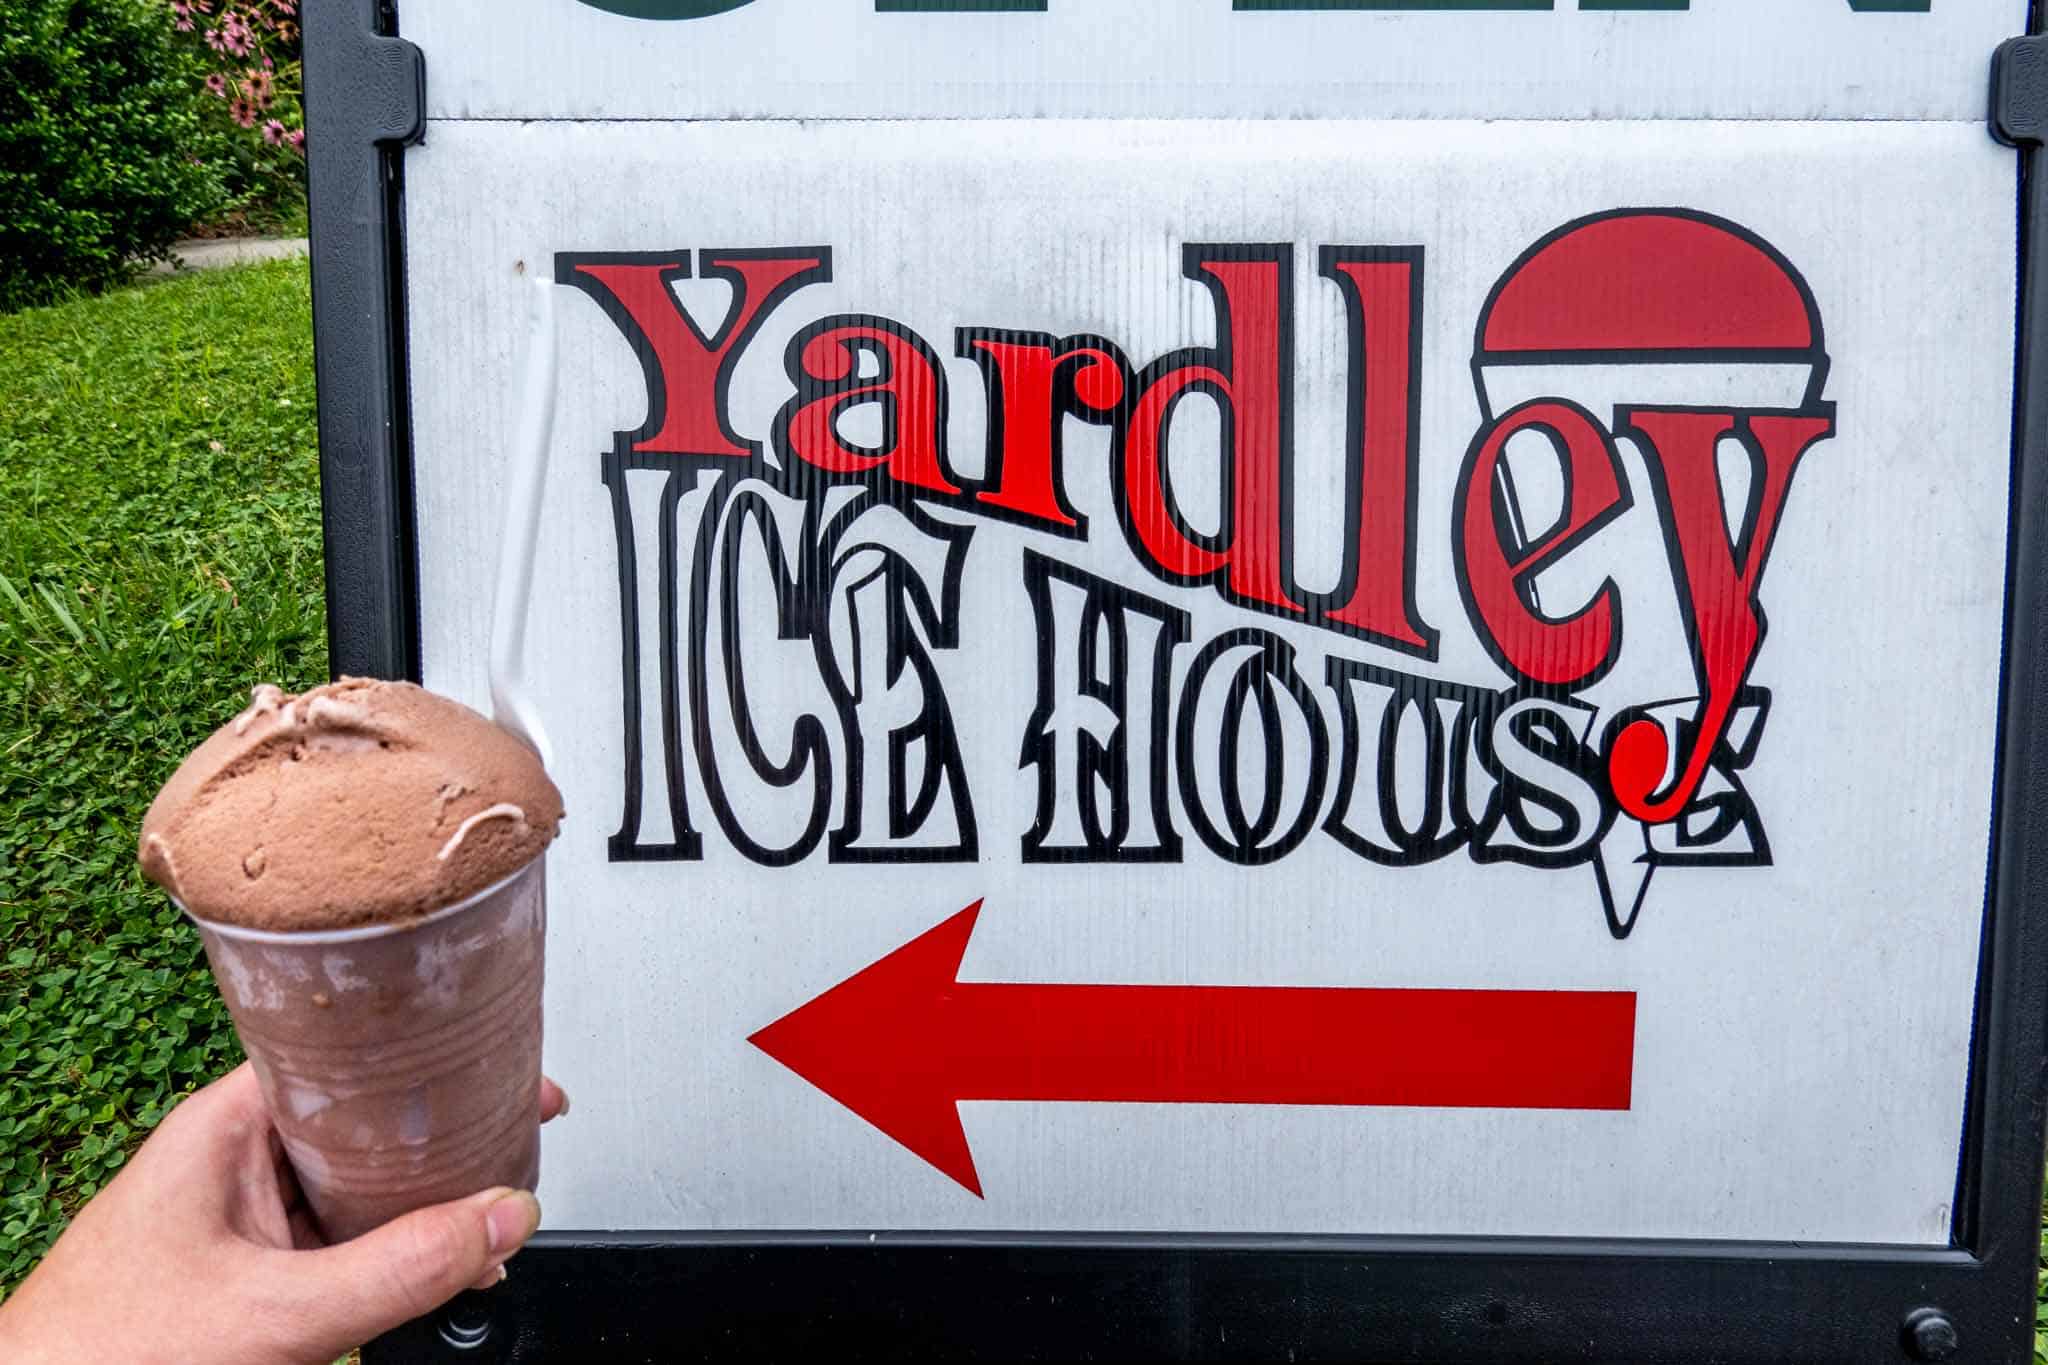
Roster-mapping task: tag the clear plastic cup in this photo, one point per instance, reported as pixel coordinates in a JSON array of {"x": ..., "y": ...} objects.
[{"x": 400, "y": 1063}]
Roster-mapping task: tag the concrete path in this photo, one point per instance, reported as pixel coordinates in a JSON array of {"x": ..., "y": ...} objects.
[{"x": 205, "y": 254}]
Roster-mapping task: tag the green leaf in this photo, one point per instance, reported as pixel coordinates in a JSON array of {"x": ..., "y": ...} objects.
[{"x": 57, "y": 606}]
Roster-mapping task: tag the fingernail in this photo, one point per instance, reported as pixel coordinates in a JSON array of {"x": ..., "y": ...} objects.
[
  {"x": 511, "y": 1219},
  {"x": 565, "y": 1105},
  {"x": 492, "y": 1278}
]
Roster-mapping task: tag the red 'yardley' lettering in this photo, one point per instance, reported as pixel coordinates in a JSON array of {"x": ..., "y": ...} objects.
[
  {"x": 1035, "y": 381},
  {"x": 687, "y": 372},
  {"x": 1718, "y": 575},
  {"x": 1499, "y": 563},
  {"x": 908, "y": 384},
  {"x": 1718, "y": 570},
  {"x": 1249, "y": 374}
]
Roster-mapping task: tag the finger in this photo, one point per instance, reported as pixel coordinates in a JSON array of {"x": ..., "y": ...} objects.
[
  {"x": 206, "y": 1153},
  {"x": 359, "y": 1289},
  {"x": 239, "y": 1093},
  {"x": 554, "y": 1101},
  {"x": 232, "y": 1103},
  {"x": 235, "y": 1100}
]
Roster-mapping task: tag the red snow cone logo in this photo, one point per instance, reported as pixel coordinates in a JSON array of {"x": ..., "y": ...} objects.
[
  {"x": 1649, "y": 287},
  {"x": 1672, "y": 363}
]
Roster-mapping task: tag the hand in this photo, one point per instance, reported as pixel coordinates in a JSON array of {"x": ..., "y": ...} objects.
[{"x": 202, "y": 1249}]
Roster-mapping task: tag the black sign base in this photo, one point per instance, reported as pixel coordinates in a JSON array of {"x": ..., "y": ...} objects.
[{"x": 670, "y": 1298}]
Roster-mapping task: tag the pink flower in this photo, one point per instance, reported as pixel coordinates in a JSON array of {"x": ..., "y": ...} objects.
[
  {"x": 296, "y": 139},
  {"x": 259, "y": 87},
  {"x": 285, "y": 7},
  {"x": 236, "y": 36},
  {"x": 183, "y": 25},
  {"x": 273, "y": 132},
  {"x": 243, "y": 112},
  {"x": 217, "y": 84},
  {"x": 214, "y": 40}
]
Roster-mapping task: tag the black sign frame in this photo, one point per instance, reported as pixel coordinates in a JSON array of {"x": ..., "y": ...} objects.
[{"x": 896, "y": 1295}]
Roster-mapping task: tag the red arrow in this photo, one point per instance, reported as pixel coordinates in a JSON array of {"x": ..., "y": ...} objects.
[{"x": 901, "y": 1042}]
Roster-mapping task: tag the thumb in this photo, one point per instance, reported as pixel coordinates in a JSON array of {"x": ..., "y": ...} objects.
[{"x": 411, "y": 1265}]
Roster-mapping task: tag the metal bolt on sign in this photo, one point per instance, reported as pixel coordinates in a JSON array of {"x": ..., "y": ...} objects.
[{"x": 1930, "y": 1336}]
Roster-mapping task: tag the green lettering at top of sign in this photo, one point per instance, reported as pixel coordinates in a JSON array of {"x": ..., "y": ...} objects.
[
  {"x": 699, "y": 9},
  {"x": 960, "y": 6},
  {"x": 666, "y": 9},
  {"x": 1273, "y": 6}
]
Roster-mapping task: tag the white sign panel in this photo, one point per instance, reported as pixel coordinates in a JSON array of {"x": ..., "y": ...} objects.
[
  {"x": 1572, "y": 59},
  {"x": 1239, "y": 675}
]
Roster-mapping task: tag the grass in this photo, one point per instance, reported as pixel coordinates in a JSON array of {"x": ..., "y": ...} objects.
[{"x": 159, "y": 551}]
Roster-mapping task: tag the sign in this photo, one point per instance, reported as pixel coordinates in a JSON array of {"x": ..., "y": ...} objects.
[
  {"x": 1268, "y": 604},
  {"x": 1489, "y": 59},
  {"x": 1312, "y": 621}
]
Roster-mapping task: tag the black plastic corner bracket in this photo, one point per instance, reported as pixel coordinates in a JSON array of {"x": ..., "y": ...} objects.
[
  {"x": 365, "y": 98},
  {"x": 2019, "y": 91}
]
